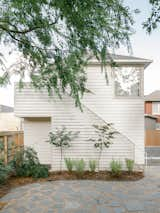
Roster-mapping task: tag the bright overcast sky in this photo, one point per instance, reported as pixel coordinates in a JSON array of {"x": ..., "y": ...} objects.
[{"x": 145, "y": 46}]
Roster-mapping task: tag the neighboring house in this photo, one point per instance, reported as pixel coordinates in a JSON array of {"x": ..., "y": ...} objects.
[
  {"x": 8, "y": 121},
  {"x": 152, "y": 106},
  {"x": 150, "y": 122},
  {"x": 120, "y": 102}
]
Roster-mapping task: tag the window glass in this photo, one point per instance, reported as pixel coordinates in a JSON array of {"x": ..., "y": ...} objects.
[
  {"x": 156, "y": 108},
  {"x": 127, "y": 81}
]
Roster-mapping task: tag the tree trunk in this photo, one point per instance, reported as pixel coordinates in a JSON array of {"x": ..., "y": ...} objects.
[
  {"x": 61, "y": 159},
  {"x": 99, "y": 158}
]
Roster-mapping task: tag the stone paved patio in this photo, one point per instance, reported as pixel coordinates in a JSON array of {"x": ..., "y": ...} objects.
[{"x": 87, "y": 196}]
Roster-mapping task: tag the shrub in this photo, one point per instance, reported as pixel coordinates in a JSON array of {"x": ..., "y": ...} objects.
[
  {"x": 26, "y": 163},
  {"x": 4, "y": 172},
  {"x": 116, "y": 167},
  {"x": 129, "y": 165},
  {"x": 69, "y": 164},
  {"x": 79, "y": 167},
  {"x": 92, "y": 165},
  {"x": 40, "y": 171}
]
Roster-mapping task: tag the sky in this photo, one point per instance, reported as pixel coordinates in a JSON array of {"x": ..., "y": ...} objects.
[{"x": 143, "y": 45}]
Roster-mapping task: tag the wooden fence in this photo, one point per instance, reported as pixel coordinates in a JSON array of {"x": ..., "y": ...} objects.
[
  {"x": 10, "y": 141},
  {"x": 152, "y": 138}
]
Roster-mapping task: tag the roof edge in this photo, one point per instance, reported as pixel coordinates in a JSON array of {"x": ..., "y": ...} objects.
[{"x": 123, "y": 59}]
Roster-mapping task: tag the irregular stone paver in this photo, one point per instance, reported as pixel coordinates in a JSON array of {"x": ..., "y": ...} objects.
[
  {"x": 87, "y": 196},
  {"x": 134, "y": 205}
]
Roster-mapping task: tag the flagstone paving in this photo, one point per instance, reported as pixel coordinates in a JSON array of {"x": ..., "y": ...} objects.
[{"x": 87, "y": 196}]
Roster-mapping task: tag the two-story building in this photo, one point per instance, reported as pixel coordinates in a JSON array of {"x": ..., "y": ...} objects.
[{"x": 120, "y": 101}]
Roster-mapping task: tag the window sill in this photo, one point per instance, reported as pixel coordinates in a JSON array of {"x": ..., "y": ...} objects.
[{"x": 129, "y": 97}]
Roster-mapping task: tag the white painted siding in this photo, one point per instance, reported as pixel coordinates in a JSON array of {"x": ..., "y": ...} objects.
[
  {"x": 81, "y": 147},
  {"x": 126, "y": 114},
  {"x": 35, "y": 135},
  {"x": 30, "y": 102}
]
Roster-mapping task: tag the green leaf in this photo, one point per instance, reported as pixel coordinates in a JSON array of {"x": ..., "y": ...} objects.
[{"x": 59, "y": 37}]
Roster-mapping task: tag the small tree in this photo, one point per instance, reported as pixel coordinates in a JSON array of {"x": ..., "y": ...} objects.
[
  {"x": 105, "y": 136},
  {"x": 61, "y": 138}
]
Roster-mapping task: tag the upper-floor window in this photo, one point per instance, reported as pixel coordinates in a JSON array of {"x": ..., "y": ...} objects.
[
  {"x": 156, "y": 108},
  {"x": 127, "y": 81}
]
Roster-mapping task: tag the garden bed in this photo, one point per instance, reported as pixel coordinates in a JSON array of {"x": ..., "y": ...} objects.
[
  {"x": 101, "y": 175},
  {"x": 53, "y": 176}
]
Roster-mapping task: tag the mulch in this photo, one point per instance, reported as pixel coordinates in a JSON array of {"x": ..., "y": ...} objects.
[{"x": 64, "y": 175}]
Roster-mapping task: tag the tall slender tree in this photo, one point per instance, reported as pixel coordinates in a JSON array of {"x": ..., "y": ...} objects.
[
  {"x": 61, "y": 139},
  {"x": 103, "y": 140}
]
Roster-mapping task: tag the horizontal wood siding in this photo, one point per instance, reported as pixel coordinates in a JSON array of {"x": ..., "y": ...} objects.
[
  {"x": 127, "y": 114},
  {"x": 152, "y": 138},
  {"x": 99, "y": 106},
  {"x": 75, "y": 120},
  {"x": 30, "y": 102}
]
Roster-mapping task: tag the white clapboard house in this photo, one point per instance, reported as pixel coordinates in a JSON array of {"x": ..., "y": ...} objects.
[{"x": 120, "y": 102}]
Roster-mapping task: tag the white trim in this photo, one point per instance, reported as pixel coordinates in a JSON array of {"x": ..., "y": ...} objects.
[{"x": 143, "y": 63}]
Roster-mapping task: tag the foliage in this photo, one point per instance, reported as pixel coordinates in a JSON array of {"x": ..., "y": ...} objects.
[
  {"x": 40, "y": 171},
  {"x": 4, "y": 172},
  {"x": 1, "y": 146},
  {"x": 26, "y": 163},
  {"x": 116, "y": 167},
  {"x": 129, "y": 164},
  {"x": 79, "y": 167},
  {"x": 69, "y": 164},
  {"x": 105, "y": 136},
  {"x": 61, "y": 138},
  {"x": 1, "y": 150},
  {"x": 153, "y": 21},
  {"x": 54, "y": 36},
  {"x": 92, "y": 165}
]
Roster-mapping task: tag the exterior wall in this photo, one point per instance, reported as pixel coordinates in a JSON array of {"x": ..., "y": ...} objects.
[
  {"x": 9, "y": 122},
  {"x": 30, "y": 102},
  {"x": 148, "y": 107},
  {"x": 35, "y": 135},
  {"x": 148, "y": 110},
  {"x": 158, "y": 119},
  {"x": 127, "y": 115},
  {"x": 76, "y": 120},
  {"x": 150, "y": 123}
]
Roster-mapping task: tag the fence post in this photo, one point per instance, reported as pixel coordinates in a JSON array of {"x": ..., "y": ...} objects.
[{"x": 5, "y": 149}]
